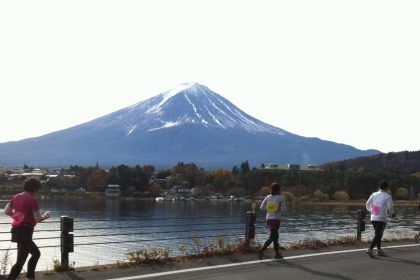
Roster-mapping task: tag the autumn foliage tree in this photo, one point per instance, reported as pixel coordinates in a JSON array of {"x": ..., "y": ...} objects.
[{"x": 97, "y": 180}]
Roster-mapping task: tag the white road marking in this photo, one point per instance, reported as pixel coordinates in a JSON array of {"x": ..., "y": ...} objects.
[{"x": 144, "y": 276}]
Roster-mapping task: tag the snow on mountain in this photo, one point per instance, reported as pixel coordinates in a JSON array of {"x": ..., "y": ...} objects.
[{"x": 188, "y": 103}]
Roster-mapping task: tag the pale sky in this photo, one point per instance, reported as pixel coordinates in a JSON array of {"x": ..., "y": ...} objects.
[{"x": 345, "y": 71}]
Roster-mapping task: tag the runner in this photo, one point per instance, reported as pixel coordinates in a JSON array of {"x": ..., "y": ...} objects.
[
  {"x": 274, "y": 204},
  {"x": 379, "y": 205},
  {"x": 24, "y": 210}
]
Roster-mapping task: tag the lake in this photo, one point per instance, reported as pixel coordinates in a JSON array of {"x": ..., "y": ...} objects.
[{"x": 105, "y": 229}]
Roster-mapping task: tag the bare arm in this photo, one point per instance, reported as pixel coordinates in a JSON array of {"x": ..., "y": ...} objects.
[
  {"x": 8, "y": 210},
  {"x": 41, "y": 217}
]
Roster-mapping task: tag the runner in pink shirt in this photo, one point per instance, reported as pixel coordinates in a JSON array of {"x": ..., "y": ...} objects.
[{"x": 23, "y": 208}]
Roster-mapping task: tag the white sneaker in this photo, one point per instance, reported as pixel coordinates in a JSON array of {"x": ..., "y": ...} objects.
[{"x": 370, "y": 252}]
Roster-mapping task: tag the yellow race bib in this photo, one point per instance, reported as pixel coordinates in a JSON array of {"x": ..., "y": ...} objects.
[{"x": 272, "y": 207}]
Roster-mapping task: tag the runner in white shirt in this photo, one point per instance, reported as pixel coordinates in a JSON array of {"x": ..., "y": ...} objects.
[
  {"x": 274, "y": 204},
  {"x": 379, "y": 205}
]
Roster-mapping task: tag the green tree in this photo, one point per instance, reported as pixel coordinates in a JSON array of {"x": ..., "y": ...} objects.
[{"x": 245, "y": 167}]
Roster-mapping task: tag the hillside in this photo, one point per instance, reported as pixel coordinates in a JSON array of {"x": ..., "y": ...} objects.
[{"x": 398, "y": 162}]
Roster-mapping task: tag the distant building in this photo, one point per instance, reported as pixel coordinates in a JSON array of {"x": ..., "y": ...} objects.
[
  {"x": 113, "y": 191},
  {"x": 292, "y": 166}
]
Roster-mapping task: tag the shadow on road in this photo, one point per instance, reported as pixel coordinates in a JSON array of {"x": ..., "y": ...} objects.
[
  {"x": 287, "y": 264},
  {"x": 393, "y": 259}
]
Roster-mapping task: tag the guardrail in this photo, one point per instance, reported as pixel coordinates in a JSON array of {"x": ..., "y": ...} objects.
[
  {"x": 67, "y": 231},
  {"x": 69, "y": 235}
]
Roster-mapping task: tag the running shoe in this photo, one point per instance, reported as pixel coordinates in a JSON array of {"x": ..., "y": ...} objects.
[
  {"x": 380, "y": 252},
  {"x": 370, "y": 252},
  {"x": 260, "y": 255},
  {"x": 278, "y": 256}
]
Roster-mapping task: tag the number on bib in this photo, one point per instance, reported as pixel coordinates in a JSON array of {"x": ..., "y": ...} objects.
[
  {"x": 376, "y": 210},
  {"x": 272, "y": 207}
]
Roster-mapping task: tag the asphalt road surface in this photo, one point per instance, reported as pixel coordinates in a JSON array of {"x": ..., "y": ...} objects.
[{"x": 401, "y": 263}]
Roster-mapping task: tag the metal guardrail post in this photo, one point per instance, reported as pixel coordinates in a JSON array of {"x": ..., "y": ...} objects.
[
  {"x": 250, "y": 226},
  {"x": 67, "y": 241},
  {"x": 361, "y": 224}
]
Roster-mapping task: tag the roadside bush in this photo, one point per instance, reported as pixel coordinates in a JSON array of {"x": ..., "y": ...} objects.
[
  {"x": 320, "y": 196},
  {"x": 288, "y": 196},
  {"x": 402, "y": 193},
  {"x": 341, "y": 196},
  {"x": 304, "y": 198}
]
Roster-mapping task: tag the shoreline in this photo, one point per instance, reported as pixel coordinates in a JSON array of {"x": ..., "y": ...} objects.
[{"x": 5, "y": 198}]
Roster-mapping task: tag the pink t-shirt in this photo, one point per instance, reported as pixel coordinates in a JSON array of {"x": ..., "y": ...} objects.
[{"x": 25, "y": 205}]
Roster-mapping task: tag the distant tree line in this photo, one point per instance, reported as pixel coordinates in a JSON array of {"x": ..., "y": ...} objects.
[
  {"x": 242, "y": 180},
  {"x": 333, "y": 182}
]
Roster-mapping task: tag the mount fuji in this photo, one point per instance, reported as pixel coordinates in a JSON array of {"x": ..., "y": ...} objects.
[{"x": 189, "y": 123}]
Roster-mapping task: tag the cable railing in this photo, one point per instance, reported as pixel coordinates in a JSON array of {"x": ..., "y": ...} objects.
[
  {"x": 164, "y": 231},
  {"x": 131, "y": 230}
]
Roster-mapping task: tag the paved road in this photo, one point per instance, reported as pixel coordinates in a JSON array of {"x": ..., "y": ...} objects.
[{"x": 402, "y": 262}]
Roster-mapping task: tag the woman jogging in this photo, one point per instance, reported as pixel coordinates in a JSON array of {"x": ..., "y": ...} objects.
[
  {"x": 25, "y": 212},
  {"x": 274, "y": 204},
  {"x": 379, "y": 205}
]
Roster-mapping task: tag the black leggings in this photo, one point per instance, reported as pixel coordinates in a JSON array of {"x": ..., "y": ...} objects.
[
  {"x": 23, "y": 249},
  {"x": 379, "y": 232},
  {"x": 274, "y": 238}
]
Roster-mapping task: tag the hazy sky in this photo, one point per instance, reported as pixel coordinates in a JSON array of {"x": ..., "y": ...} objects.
[{"x": 345, "y": 71}]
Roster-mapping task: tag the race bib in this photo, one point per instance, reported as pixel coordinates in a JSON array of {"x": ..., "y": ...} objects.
[
  {"x": 376, "y": 210},
  {"x": 272, "y": 207}
]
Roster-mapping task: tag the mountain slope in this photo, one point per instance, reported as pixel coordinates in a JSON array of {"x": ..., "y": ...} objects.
[
  {"x": 401, "y": 162},
  {"x": 190, "y": 123}
]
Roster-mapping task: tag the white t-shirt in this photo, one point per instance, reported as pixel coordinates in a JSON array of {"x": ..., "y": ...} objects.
[
  {"x": 379, "y": 204},
  {"x": 274, "y": 204}
]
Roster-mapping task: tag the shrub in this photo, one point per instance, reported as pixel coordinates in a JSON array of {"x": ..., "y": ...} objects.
[
  {"x": 341, "y": 196},
  {"x": 320, "y": 196},
  {"x": 288, "y": 196},
  {"x": 402, "y": 193}
]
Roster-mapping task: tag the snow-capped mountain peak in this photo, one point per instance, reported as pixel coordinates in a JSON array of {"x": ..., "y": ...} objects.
[
  {"x": 188, "y": 123},
  {"x": 188, "y": 104}
]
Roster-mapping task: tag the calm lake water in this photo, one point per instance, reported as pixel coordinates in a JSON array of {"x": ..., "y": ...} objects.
[{"x": 105, "y": 229}]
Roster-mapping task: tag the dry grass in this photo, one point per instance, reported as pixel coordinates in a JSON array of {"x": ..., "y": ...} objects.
[
  {"x": 319, "y": 244},
  {"x": 59, "y": 268},
  {"x": 198, "y": 249},
  {"x": 4, "y": 263}
]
